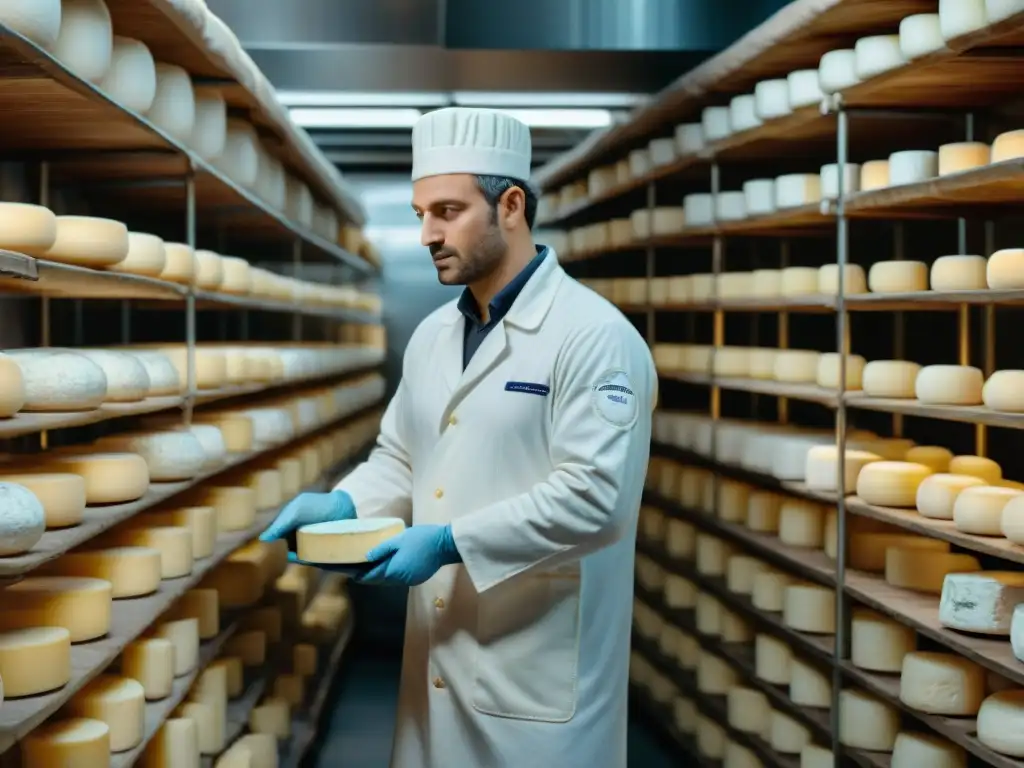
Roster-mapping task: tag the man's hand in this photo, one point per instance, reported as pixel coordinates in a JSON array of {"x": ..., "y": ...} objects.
[
  {"x": 308, "y": 509},
  {"x": 412, "y": 557}
]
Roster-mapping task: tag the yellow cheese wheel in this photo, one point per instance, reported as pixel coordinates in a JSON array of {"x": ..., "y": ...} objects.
[
  {"x": 79, "y": 605},
  {"x": 73, "y": 743},
  {"x": 34, "y": 660}
]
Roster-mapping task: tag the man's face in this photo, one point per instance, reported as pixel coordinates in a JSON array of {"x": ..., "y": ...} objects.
[{"x": 459, "y": 228}]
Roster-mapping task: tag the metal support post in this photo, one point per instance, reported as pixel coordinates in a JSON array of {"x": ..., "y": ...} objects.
[
  {"x": 899, "y": 319},
  {"x": 190, "y": 295}
]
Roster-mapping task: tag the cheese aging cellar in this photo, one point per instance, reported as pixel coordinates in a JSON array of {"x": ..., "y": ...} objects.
[{"x": 450, "y": 384}]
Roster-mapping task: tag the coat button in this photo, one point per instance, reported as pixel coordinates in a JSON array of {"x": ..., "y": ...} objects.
[
  {"x": 452, "y": 420},
  {"x": 438, "y": 603},
  {"x": 439, "y": 493},
  {"x": 438, "y": 682}
]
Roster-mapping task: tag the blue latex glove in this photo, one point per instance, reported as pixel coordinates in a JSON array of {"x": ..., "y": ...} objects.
[
  {"x": 308, "y": 509},
  {"x": 412, "y": 557}
]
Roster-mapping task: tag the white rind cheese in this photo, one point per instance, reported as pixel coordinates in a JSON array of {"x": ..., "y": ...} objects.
[
  {"x": 925, "y": 750},
  {"x": 937, "y": 494},
  {"x": 174, "y": 106},
  {"x": 949, "y": 385},
  {"x": 131, "y": 78},
  {"x": 86, "y": 38},
  {"x": 38, "y": 20},
  {"x": 981, "y": 602},
  {"x": 941, "y": 684},
  {"x": 979, "y": 510},
  {"x": 127, "y": 378},
  {"x": 57, "y": 380},
  {"x": 999, "y": 722},
  {"x": 23, "y": 520},
  {"x": 865, "y": 722},
  {"x": 878, "y": 643}
]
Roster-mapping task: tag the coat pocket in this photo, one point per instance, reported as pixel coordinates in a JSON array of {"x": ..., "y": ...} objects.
[{"x": 528, "y": 653}]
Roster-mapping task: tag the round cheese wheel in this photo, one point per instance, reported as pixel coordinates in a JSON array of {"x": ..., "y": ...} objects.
[
  {"x": 127, "y": 378},
  {"x": 933, "y": 456},
  {"x": 236, "y": 277},
  {"x": 59, "y": 380},
  {"x": 960, "y": 17},
  {"x": 997, "y": 10},
  {"x": 163, "y": 376},
  {"x": 976, "y": 466},
  {"x": 38, "y": 20},
  {"x": 762, "y": 363},
  {"x": 998, "y": 722},
  {"x": 145, "y": 256},
  {"x": 804, "y": 88},
  {"x": 963, "y": 156},
  {"x": 299, "y": 207},
  {"x": 866, "y": 722},
  {"x": 34, "y": 660},
  {"x": 798, "y": 281},
  {"x": 28, "y": 229},
  {"x": 173, "y": 543},
  {"x": 171, "y": 456},
  {"x": 730, "y": 206},
  {"x": 110, "y": 478},
  {"x": 941, "y": 684},
  {"x": 71, "y": 742},
  {"x": 877, "y": 643},
  {"x": 1004, "y": 391},
  {"x": 890, "y": 378},
  {"x": 772, "y": 99},
  {"x": 867, "y": 548},
  {"x": 891, "y": 483},
  {"x": 175, "y": 743},
  {"x": 874, "y": 174},
  {"x": 174, "y": 106},
  {"x": 770, "y": 590},
  {"x": 920, "y": 35},
  {"x": 131, "y": 79},
  {"x": 81, "y": 606},
  {"x": 796, "y": 366},
  {"x": 949, "y": 385},
  {"x": 912, "y": 166},
  {"x": 979, "y": 509},
  {"x": 759, "y": 196},
  {"x": 959, "y": 273},
  {"x": 898, "y": 277},
  {"x": 807, "y": 686},
  {"x": 877, "y": 54},
  {"x": 813, "y": 756},
  {"x": 117, "y": 701},
  {"x": 786, "y": 735},
  {"x": 772, "y": 660},
  {"x": 240, "y": 160},
  {"x": 743, "y": 113},
  {"x": 747, "y": 710},
  {"x": 150, "y": 661},
  {"x": 689, "y": 138},
  {"x": 210, "y": 130},
  {"x": 23, "y": 521},
  {"x": 924, "y": 571},
  {"x": 131, "y": 571},
  {"x": 822, "y": 471},
  {"x": 809, "y": 608},
  {"x": 89, "y": 242},
  {"x": 801, "y": 523},
  {"x": 699, "y": 210},
  {"x": 86, "y": 38},
  {"x": 1009, "y": 145},
  {"x": 180, "y": 265},
  {"x": 917, "y": 749},
  {"x": 1006, "y": 269},
  {"x": 715, "y": 122},
  {"x": 937, "y": 494},
  {"x": 183, "y": 634},
  {"x": 837, "y": 70},
  {"x": 61, "y": 495},
  {"x": 797, "y": 189},
  {"x": 981, "y": 603},
  {"x": 12, "y": 387},
  {"x": 828, "y": 371},
  {"x": 708, "y": 615},
  {"x": 830, "y": 180}
]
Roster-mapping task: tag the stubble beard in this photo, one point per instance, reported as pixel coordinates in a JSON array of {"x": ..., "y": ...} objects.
[{"x": 476, "y": 265}]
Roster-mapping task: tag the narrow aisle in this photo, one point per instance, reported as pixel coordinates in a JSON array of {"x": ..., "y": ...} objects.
[{"x": 361, "y": 717}]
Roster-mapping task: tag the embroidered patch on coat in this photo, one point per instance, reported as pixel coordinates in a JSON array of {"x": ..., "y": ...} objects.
[{"x": 614, "y": 400}]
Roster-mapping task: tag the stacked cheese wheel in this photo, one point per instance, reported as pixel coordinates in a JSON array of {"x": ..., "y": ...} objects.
[
  {"x": 75, "y": 599},
  {"x": 80, "y": 34},
  {"x": 804, "y": 89}
]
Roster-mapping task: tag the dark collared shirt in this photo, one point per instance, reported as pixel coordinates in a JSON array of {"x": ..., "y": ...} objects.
[{"x": 476, "y": 329}]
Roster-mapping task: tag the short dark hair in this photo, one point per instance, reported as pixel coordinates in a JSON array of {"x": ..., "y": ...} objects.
[{"x": 493, "y": 187}]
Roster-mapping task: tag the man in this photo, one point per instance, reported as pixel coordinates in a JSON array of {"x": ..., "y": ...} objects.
[{"x": 515, "y": 448}]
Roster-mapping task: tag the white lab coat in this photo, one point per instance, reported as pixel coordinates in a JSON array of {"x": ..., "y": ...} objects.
[{"x": 519, "y": 656}]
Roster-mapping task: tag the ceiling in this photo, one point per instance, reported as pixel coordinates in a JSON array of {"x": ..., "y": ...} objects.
[{"x": 344, "y": 66}]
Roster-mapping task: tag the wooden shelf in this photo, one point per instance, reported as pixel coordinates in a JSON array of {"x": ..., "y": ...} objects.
[
  {"x": 157, "y": 712},
  {"x": 55, "y": 543},
  {"x": 61, "y": 116}
]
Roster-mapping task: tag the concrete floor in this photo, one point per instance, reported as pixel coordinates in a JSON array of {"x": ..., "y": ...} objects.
[{"x": 359, "y": 719}]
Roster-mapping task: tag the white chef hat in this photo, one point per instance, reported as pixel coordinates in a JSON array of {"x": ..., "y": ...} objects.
[{"x": 477, "y": 141}]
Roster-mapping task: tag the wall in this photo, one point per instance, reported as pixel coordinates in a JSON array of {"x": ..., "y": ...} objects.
[{"x": 410, "y": 291}]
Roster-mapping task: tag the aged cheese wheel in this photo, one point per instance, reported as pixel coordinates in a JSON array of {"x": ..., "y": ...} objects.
[
  {"x": 184, "y": 636},
  {"x": 937, "y": 494},
  {"x": 86, "y": 38},
  {"x": 772, "y": 99},
  {"x": 963, "y": 156},
  {"x": 891, "y": 483},
  {"x": 874, "y": 174},
  {"x": 250, "y": 647},
  {"x": 175, "y": 745},
  {"x": 240, "y": 160},
  {"x": 747, "y": 710},
  {"x": 913, "y": 166},
  {"x": 23, "y": 520},
  {"x": 759, "y": 196},
  {"x": 163, "y": 376},
  {"x": 868, "y": 548},
  {"x": 809, "y": 608},
  {"x": 1009, "y": 145},
  {"x": 941, "y": 684},
  {"x": 131, "y": 79},
  {"x": 70, "y": 743},
  {"x": 715, "y": 122},
  {"x": 127, "y": 378},
  {"x": 877, "y": 54},
  {"x": 28, "y": 229},
  {"x": 837, "y": 70},
  {"x": 151, "y": 662},
  {"x": 89, "y": 242},
  {"x": 934, "y": 456},
  {"x": 920, "y": 35},
  {"x": 949, "y": 385},
  {"x": 797, "y": 189},
  {"x": 1006, "y": 269},
  {"x": 742, "y": 113},
  {"x": 82, "y": 606},
  {"x": 145, "y": 256},
  {"x": 38, "y": 20},
  {"x": 58, "y": 380},
  {"x": 865, "y": 722},
  {"x": 345, "y": 541},
  {"x": 131, "y": 571},
  {"x": 117, "y": 701},
  {"x": 180, "y": 265},
  {"x": 959, "y": 273},
  {"x": 210, "y": 129},
  {"x": 960, "y": 17},
  {"x": 979, "y": 510},
  {"x": 110, "y": 478},
  {"x": 786, "y": 735},
  {"x": 898, "y": 277},
  {"x": 981, "y": 602},
  {"x": 34, "y": 660},
  {"x": 209, "y": 271},
  {"x": 924, "y": 571},
  {"x": 807, "y": 686},
  {"x": 171, "y": 456},
  {"x": 976, "y": 466},
  {"x": 174, "y": 107},
  {"x": 1004, "y": 391},
  {"x": 772, "y": 660},
  {"x": 890, "y": 378}
]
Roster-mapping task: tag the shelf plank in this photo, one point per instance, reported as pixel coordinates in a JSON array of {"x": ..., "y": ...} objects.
[
  {"x": 157, "y": 712},
  {"x": 99, "y": 519}
]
